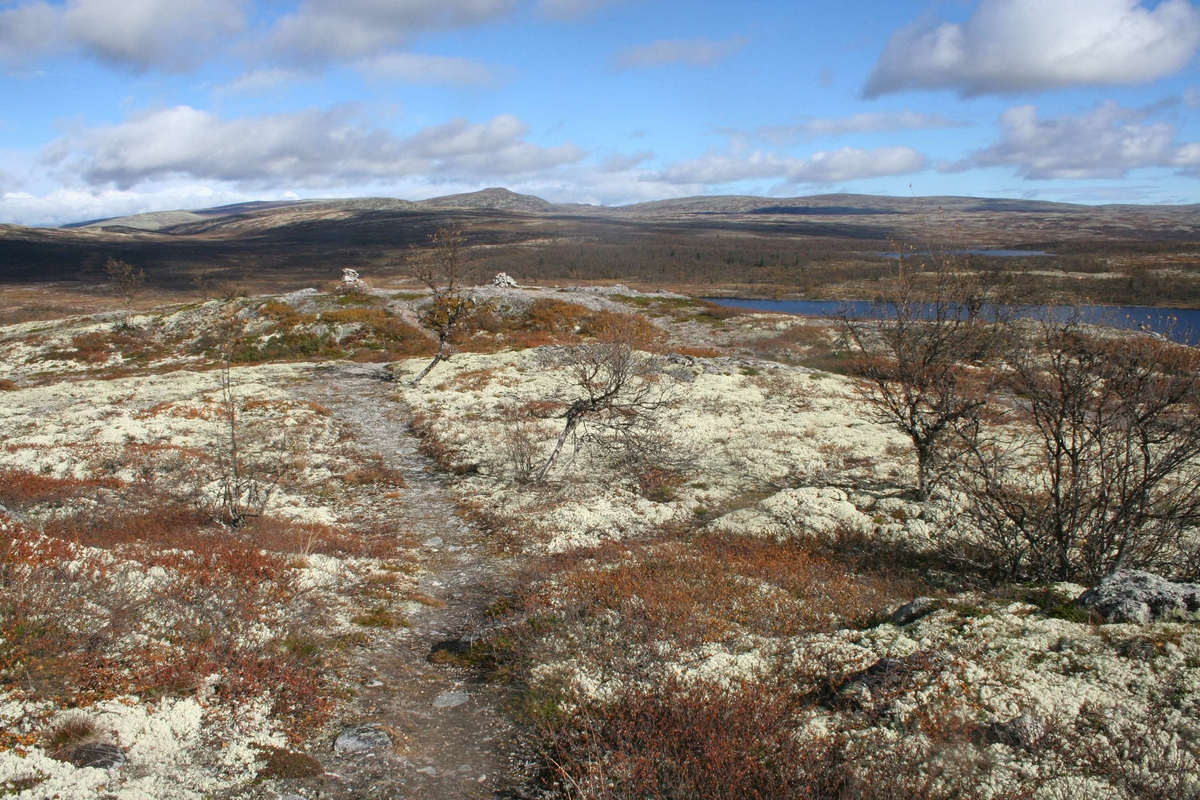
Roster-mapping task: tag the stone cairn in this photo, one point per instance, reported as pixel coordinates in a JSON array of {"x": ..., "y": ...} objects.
[{"x": 351, "y": 282}]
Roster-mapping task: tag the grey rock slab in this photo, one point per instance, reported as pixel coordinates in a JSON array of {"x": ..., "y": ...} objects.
[
  {"x": 1142, "y": 597},
  {"x": 361, "y": 739},
  {"x": 450, "y": 699},
  {"x": 97, "y": 754}
]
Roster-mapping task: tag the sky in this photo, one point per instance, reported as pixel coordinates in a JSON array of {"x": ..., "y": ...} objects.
[{"x": 112, "y": 107}]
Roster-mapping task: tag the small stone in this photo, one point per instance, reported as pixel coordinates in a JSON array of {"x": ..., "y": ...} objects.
[
  {"x": 913, "y": 611},
  {"x": 361, "y": 738},
  {"x": 1022, "y": 732},
  {"x": 1142, "y": 597},
  {"x": 432, "y": 541},
  {"x": 450, "y": 699},
  {"x": 98, "y": 755}
]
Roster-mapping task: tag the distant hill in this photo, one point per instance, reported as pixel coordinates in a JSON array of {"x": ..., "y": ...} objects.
[{"x": 797, "y": 242}]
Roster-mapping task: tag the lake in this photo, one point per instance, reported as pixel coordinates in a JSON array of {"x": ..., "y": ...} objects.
[
  {"x": 1183, "y": 324},
  {"x": 992, "y": 253}
]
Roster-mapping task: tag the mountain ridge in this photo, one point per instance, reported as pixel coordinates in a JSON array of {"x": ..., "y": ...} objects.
[{"x": 192, "y": 221}]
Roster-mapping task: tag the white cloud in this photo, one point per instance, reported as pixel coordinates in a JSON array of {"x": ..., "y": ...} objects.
[
  {"x": 314, "y": 148},
  {"x": 262, "y": 80},
  {"x": 874, "y": 122},
  {"x": 1029, "y": 45},
  {"x": 572, "y": 9},
  {"x": 320, "y": 31},
  {"x": 29, "y": 31},
  {"x": 624, "y": 163},
  {"x": 823, "y": 167},
  {"x": 66, "y": 205},
  {"x": 427, "y": 69},
  {"x": 8, "y": 182},
  {"x": 695, "y": 52},
  {"x": 1107, "y": 142},
  {"x": 1187, "y": 158},
  {"x": 139, "y": 34},
  {"x": 165, "y": 34}
]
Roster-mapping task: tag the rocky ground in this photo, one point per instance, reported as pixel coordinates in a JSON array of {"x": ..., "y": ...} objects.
[{"x": 409, "y": 614}]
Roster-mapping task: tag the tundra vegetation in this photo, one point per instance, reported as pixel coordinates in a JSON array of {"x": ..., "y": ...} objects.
[{"x": 708, "y": 577}]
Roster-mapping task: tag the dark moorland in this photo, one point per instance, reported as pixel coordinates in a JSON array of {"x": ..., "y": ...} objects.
[{"x": 813, "y": 247}]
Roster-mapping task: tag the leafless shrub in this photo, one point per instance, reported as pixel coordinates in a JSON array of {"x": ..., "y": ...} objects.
[
  {"x": 1093, "y": 464},
  {"x": 650, "y": 455},
  {"x": 520, "y": 445},
  {"x": 611, "y": 392}
]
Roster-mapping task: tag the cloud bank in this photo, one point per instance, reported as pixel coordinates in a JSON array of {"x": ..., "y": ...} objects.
[
  {"x": 312, "y": 148},
  {"x": 822, "y": 167},
  {"x": 1030, "y": 45},
  {"x": 323, "y": 31},
  {"x": 872, "y": 122},
  {"x": 170, "y": 35},
  {"x": 1107, "y": 142}
]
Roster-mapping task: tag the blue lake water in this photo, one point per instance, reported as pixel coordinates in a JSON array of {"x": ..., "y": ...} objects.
[
  {"x": 992, "y": 253},
  {"x": 1182, "y": 324}
]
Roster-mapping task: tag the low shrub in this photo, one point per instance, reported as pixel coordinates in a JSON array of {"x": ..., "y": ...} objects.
[
  {"x": 21, "y": 490},
  {"x": 674, "y": 741},
  {"x": 711, "y": 588},
  {"x": 78, "y": 626}
]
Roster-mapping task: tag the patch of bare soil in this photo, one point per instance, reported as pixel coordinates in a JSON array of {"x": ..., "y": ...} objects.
[{"x": 449, "y": 736}]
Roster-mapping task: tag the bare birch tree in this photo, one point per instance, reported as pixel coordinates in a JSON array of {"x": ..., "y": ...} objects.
[
  {"x": 248, "y": 464},
  {"x": 441, "y": 268},
  {"x": 125, "y": 281},
  {"x": 922, "y": 355}
]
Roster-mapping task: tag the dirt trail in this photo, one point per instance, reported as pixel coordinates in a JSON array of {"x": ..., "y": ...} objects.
[{"x": 450, "y": 736}]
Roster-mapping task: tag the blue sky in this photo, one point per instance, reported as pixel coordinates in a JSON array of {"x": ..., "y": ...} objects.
[{"x": 117, "y": 106}]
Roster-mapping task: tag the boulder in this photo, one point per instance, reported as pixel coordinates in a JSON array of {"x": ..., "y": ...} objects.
[
  {"x": 1142, "y": 598},
  {"x": 503, "y": 281},
  {"x": 362, "y": 738},
  {"x": 98, "y": 755},
  {"x": 1022, "y": 732},
  {"x": 913, "y": 611}
]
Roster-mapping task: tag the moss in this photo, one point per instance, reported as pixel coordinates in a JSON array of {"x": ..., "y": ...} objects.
[
  {"x": 1051, "y": 603},
  {"x": 967, "y": 610},
  {"x": 307, "y": 648},
  {"x": 355, "y": 299},
  {"x": 287, "y": 764},
  {"x": 381, "y": 617}
]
